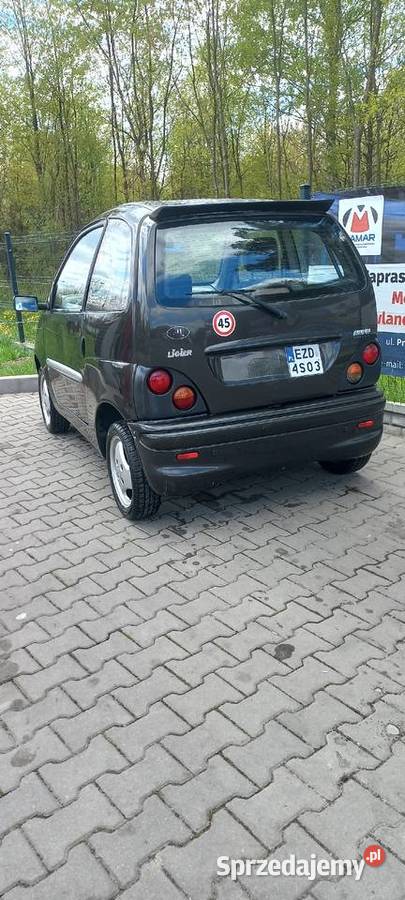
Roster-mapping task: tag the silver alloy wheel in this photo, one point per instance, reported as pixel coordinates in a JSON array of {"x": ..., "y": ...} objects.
[
  {"x": 120, "y": 472},
  {"x": 45, "y": 399}
]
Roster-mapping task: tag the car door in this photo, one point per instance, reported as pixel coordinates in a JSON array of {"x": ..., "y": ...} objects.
[
  {"x": 107, "y": 341},
  {"x": 63, "y": 325}
]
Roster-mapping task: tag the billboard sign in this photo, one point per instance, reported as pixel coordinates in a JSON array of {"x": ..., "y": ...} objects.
[
  {"x": 375, "y": 222},
  {"x": 389, "y": 288},
  {"x": 362, "y": 217}
]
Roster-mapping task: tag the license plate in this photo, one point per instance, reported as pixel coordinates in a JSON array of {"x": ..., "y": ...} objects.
[{"x": 305, "y": 359}]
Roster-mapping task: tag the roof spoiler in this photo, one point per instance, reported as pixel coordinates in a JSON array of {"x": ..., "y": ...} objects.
[{"x": 176, "y": 209}]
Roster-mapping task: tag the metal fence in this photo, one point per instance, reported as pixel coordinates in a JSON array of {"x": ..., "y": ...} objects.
[{"x": 27, "y": 266}]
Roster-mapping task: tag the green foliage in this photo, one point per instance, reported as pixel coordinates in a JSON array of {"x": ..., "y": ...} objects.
[
  {"x": 103, "y": 101},
  {"x": 15, "y": 359},
  {"x": 394, "y": 388},
  {"x": 110, "y": 100}
]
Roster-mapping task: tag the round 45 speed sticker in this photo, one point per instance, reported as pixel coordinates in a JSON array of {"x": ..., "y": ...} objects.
[{"x": 224, "y": 323}]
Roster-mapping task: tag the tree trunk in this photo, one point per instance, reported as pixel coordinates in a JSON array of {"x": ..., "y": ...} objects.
[
  {"x": 376, "y": 10},
  {"x": 333, "y": 35},
  {"x": 308, "y": 96}
]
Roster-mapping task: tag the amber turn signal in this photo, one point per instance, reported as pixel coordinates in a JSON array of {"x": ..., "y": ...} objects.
[
  {"x": 354, "y": 372},
  {"x": 184, "y": 397}
]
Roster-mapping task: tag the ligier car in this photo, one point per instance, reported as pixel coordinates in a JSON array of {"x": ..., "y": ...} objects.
[{"x": 192, "y": 341}]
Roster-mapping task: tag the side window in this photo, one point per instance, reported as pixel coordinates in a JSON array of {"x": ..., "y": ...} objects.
[
  {"x": 71, "y": 284},
  {"x": 109, "y": 285}
]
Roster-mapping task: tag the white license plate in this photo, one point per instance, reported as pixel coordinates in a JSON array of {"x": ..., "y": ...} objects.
[{"x": 304, "y": 359}]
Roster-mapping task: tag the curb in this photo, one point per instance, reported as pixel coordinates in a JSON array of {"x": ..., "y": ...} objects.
[
  {"x": 394, "y": 419},
  {"x": 18, "y": 384}
]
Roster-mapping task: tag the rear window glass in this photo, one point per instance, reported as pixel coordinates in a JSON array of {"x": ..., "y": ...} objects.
[{"x": 197, "y": 263}]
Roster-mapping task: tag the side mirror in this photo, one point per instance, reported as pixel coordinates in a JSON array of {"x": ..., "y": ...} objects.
[{"x": 26, "y": 304}]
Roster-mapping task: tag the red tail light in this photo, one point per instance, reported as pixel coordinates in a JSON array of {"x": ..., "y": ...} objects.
[
  {"x": 191, "y": 454},
  {"x": 184, "y": 397},
  {"x": 371, "y": 353},
  {"x": 159, "y": 381}
]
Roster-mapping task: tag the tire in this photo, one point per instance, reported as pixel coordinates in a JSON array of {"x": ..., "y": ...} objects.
[
  {"x": 133, "y": 494},
  {"x": 344, "y": 466},
  {"x": 54, "y": 422}
]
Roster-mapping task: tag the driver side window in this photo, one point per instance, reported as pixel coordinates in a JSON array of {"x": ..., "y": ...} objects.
[{"x": 71, "y": 284}]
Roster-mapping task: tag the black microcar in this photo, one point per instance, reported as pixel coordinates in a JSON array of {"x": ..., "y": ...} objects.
[{"x": 194, "y": 340}]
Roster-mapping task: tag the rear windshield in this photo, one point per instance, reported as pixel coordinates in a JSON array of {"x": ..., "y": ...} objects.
[{"x": 197, "y": 263}]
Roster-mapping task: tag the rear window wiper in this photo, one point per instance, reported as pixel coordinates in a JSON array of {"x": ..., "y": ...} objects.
[{"x": 248, "y": 300}]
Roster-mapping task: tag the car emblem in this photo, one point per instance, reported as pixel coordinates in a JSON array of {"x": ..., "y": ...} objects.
[{"x": 178, "y": 333}]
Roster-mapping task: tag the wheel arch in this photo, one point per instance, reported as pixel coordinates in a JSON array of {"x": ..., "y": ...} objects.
[{"x": 106, "y": 415}]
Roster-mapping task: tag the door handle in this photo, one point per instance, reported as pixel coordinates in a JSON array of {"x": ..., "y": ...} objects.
[{"x": 83, "y": 346}]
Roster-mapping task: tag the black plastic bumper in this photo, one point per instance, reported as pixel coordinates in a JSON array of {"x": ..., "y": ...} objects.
[{"x": 261, "y": 439}]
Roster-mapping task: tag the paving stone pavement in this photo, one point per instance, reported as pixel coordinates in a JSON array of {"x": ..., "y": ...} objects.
[{"x": 227, "y": 680}]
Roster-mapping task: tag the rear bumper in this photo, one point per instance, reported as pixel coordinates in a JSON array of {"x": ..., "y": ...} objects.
[{"x": 251, "y": 441}]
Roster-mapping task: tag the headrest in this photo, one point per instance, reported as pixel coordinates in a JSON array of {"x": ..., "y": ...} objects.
[{"x": 174, "y": 288}]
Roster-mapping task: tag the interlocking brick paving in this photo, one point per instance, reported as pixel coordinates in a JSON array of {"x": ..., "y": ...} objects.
[{"x": 228, "y": 679}]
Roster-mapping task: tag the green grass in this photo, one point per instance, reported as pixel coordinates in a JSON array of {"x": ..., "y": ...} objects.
[
  {"x": 8, "y": 325},
  {"x": 14, "y": 358},
  {"x": 394, "y": 388}
]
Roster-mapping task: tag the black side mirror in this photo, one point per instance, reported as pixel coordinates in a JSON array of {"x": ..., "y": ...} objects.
[{"x": 25, "y": 304}]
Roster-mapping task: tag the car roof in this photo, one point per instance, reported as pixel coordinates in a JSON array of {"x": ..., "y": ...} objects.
[{"x": 166, "y": 210}]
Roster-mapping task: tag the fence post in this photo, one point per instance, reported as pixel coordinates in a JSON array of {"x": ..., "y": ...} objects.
[
  {"x": 13, "y": 283},
  {"x": 305, "y": 191}
]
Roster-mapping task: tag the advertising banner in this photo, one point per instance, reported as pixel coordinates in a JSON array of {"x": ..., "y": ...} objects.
[
  {"x": 389, "y": 288},
  {"x": 376, "y": 225}
]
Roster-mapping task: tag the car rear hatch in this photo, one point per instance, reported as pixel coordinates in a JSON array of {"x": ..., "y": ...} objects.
[{"x": 258, "y": 307}]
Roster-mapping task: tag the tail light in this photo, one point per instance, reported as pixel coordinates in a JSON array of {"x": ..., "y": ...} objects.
[
  {"x": 368, "y": 423},
  {"x": 371, "y": 353},
  {"x": 354, "y": 372},
  {"x": 190, "y": 454},
  {"x": 159, "y": 381},
  {"x": 184, "y": 397}
]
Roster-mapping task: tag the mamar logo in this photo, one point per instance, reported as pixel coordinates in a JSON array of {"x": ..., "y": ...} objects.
[{"x": 362, "y": 217}]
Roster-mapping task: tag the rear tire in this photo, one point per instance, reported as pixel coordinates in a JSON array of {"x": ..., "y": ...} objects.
[
  {"x": 133, "y": 494},
  {"x": 344, "y": 466},
  {"x": 54, "y": 422}
]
